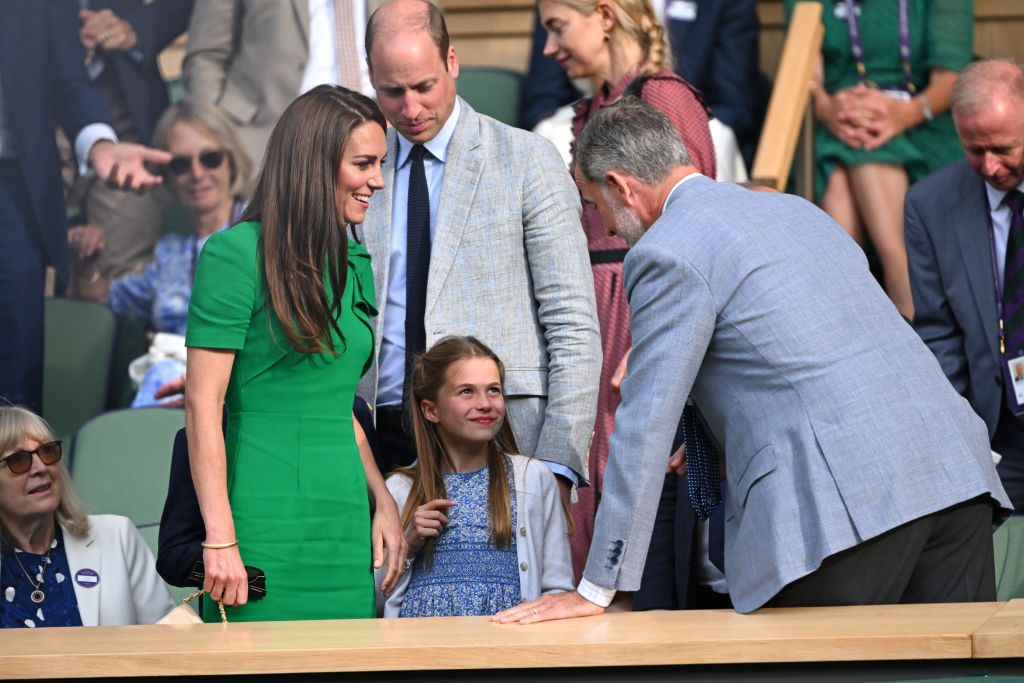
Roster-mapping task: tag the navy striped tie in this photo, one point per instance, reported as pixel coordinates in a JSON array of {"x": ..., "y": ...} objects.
[
  {"x": 417, "y": 260},
  {"x": 1013, "y": 289}
]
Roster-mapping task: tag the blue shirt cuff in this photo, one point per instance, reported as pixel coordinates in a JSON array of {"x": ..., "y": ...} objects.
[{"x": 563, "y": 471}]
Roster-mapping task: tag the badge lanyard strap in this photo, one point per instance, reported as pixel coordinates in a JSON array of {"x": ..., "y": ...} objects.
[
  {"x": 999, "y": 293},
  {"x": 858, "y": 46}
]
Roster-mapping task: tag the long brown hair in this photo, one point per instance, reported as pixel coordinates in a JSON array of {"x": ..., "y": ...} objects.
[
  {"x": 429, "y": 375},
  {"x": 296, "y": 202}
]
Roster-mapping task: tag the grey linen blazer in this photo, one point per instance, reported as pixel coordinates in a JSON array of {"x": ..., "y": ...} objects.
[
  {"x": 248, "y": 57},
  {"x": 509, "y": 265},
  {"x": 949, "y": 254},
  {"x": 835, "y": 420}
]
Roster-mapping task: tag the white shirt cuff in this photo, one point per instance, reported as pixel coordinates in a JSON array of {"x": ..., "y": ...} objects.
[
  {"x": 599, "y": 595},
  {"x": 563, "y": 471},
  {"x": 87, "y": 137}
]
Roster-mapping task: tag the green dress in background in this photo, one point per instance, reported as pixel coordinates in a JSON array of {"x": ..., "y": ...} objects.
[
  {"x": 295, "y": 481},
  {"x": 941, "y": 35}
]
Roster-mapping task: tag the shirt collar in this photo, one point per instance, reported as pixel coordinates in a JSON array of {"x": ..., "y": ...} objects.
[
  {"x": 676, "y": 187},
  {"x": 995, "y": 197},
  {"x": 437, "y": 145}
]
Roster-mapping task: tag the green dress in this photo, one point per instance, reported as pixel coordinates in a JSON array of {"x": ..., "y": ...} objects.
[
  {"x": 295, "y": 481},
  {"x": 941, "y": 35}
]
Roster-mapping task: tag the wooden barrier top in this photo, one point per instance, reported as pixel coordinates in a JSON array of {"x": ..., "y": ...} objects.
[
  {"x": 825, "y": 634},
  {"x": 1003, "y": 634}
]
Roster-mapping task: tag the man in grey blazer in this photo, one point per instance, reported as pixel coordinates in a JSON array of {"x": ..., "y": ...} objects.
[
  {"x": 855, "y": 473},
  {"x": 957, "y": 223},
  {"x": 253, "y": 57},
  {"x": 507, "y": 256}
]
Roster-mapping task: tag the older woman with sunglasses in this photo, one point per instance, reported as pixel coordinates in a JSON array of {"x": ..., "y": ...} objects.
[
  {"x": 208, "y": 175},
  {"x": 59, "y": 567}
]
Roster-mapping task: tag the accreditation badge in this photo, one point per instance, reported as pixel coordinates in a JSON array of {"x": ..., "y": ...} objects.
[{"x": 1016, "y": 368}]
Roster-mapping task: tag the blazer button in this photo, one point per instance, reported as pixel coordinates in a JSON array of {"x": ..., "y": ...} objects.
[
  {"x": 524, "y": 566},
  {"x": 522, "y": 531}
]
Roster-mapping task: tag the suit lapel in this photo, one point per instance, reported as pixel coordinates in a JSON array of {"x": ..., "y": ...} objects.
[
  {"x": 970, "y": 216},
  {"x": 83, "y": 553},
  {"x": 462, "y": 171},
  {"x": 301, "y": 8}
]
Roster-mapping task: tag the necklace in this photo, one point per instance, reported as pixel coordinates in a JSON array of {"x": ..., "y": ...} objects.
[{"x": 37, "y": 595}]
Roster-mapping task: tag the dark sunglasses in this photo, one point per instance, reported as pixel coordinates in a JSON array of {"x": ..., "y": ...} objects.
[
  {"x": 210, "y": 160},
  {"x": 20, "y": 462}
]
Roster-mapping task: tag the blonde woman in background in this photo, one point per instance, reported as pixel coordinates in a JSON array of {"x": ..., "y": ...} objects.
[{"x": 621, "y": 47}]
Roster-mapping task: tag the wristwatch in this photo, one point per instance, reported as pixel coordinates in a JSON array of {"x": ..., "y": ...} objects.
[{"x": 926, "y": 109}]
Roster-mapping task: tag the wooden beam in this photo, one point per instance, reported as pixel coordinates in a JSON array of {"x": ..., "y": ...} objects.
[{"x": 790, "y": 97}]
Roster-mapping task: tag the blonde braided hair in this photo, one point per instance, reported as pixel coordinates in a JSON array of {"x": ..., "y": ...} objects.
[{"x": 638, "y": 20}]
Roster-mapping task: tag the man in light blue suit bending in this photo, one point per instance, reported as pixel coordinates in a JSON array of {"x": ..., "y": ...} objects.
[{"x": 855, "y": 473}]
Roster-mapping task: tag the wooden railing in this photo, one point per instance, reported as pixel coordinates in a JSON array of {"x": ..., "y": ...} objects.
[
  {"x": 931, "y": 637},
  {"x": 788, "y": 110}
]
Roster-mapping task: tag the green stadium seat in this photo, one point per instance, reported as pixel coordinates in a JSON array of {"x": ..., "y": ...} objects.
[
  {"x": 1009, "y": 559},
  {"x": 492, "y": 91},
  {"x": 120, "y": 462},
  {"x": 78, "y": 348}
]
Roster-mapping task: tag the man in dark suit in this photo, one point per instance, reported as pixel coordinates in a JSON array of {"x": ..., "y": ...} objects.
[
  {"x": 963, "y": 239},
  {"x": 714, "y": 43},
  {"x": 42, "y": 77}
]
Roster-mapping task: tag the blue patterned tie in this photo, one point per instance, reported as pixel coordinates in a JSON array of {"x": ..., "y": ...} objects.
[
  {"x": 1013, "y": 290},
  {"x": 702, "y": 479},
  {"x": 417, "y": 259}
]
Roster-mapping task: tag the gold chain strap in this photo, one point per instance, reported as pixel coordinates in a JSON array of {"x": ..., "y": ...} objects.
[{"x": 220, "y": 604}]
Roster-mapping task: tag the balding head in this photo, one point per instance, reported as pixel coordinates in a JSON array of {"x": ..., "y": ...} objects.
[
  {"x": 983, "y": 81},
  {"x": 403, "y": 17},
  {"x": 988, "y": 110}
]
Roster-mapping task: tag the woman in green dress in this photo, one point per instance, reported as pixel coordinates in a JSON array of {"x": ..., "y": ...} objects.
[
  {"x": 881, "y": 98},
  {"x": 278, "y": 335}
]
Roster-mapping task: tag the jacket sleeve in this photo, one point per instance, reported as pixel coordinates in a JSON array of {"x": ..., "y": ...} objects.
[
  {"x": 933, "y": 317},
  {"x": 391, "y": 606},
  {"x": 78, "y": 102},
  {"x": 148, "y": 592},
  {"x": 563, "y": 288},
  {"x": 673, "y": 319},
  {"x": 181, "y": 525},
  {"x": 556, "y": 556},
  {"x": 212, "y": 36}
]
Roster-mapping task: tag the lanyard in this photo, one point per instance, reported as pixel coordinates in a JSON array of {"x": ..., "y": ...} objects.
[
  {"x": 999, "y": 290},
  {"x": 858, "y": 46}
]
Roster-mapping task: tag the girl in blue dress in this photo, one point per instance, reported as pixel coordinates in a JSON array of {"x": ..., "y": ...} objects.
[{"x": 485, "y": 525}]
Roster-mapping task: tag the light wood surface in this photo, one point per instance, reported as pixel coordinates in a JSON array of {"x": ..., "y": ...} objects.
[
  {"x": 790, "y": 96},
  {"x": 827, "y": 634},
  {"x": 1003, "y": 634}
]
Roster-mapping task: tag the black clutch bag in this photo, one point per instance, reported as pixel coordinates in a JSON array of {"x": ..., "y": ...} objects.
[{"x": 257, "y": 580}]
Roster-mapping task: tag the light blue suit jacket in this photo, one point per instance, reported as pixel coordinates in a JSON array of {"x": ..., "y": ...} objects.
[
  {"x": 509, "y": 265},
  {"x": 836, "y": 422}
]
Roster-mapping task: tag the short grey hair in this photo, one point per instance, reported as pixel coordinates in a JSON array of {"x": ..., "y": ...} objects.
[
  {"x": 632, "y": 137},
  {"x": 981, "y": 80}
]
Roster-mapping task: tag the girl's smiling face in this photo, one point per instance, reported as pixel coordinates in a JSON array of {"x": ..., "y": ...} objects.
[{"x": 470, "y": 407}]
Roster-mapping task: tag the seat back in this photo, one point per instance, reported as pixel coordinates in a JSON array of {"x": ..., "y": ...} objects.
[
  {"x": 492, "y": 91},
  {"x": 1009, "y": 559},
  {"x": 78, "y": 348},
  {"x": 120, "y": 462}
]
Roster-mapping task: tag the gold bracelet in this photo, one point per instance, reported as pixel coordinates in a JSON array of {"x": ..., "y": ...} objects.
[{"x": 219, "y": 546}]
